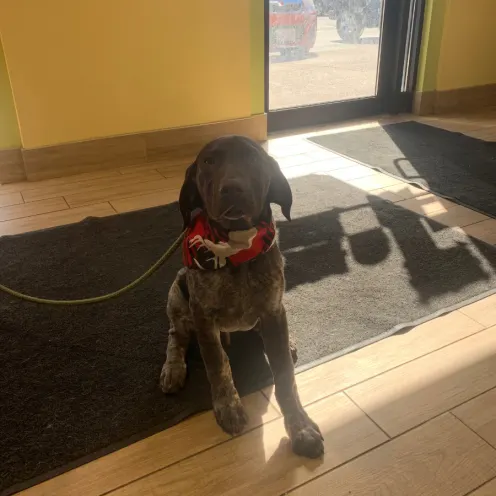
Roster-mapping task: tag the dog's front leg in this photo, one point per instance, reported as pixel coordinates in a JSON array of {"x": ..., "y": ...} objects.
[
  {"x": 304, "y": 433},
  {"x": 227, "y": 406}
]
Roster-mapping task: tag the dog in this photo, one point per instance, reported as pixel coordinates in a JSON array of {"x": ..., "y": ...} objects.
[{"x": 233, "y": 280}]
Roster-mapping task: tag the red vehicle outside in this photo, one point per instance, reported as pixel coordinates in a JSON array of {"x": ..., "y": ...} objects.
[{"x": 293, "y": 26}]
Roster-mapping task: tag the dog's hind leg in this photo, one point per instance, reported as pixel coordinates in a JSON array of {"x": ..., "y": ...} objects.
[{"x": 174, "y": 370}]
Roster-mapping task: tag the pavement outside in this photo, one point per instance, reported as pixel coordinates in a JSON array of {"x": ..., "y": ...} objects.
[{"x": 332, "y": 71}]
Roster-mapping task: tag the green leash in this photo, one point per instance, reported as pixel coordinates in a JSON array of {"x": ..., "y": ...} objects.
[{"x": 98, "y": 299}]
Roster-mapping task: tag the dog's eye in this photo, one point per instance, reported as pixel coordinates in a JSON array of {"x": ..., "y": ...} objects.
[{"x": 209, "y": 161}]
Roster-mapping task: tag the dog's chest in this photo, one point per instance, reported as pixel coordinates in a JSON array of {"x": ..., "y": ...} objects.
[{"x": 237, "y": 299}]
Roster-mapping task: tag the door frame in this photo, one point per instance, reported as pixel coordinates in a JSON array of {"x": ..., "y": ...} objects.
[{"x": 399, "y": 50}]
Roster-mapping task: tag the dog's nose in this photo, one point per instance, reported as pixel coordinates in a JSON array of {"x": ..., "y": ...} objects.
[{"x": 231, "y": 189}]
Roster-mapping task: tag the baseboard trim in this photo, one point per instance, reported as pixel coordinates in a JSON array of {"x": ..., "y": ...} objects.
[
  {"x": 11, "y": 166},
  {"x": 459, "y": 100},
  {"x": 169, "y": 146}
]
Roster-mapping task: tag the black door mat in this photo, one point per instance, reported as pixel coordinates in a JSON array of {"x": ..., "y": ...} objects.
[{"x": 452, "y": 165}]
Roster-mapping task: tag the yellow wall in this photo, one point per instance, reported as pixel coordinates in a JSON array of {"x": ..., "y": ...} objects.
[
  {"x": 257, "y": 69},
  {"x": 9, "y": 129},
  {"x": 82, "y": 69},
  {"x": 430, "y": 49},
  {"x": 469, "y": 45},
  {"x": 458, "y": 45}
]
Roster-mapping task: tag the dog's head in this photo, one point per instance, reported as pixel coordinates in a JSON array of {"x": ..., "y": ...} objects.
[{"x": 234, "y": 180}]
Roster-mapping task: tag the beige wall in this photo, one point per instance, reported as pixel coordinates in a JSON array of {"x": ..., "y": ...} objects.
[{"x": 82, "y": 69}]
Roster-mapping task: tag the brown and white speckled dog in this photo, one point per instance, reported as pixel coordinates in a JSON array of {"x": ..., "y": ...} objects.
[{"x": 234, "y": 181}]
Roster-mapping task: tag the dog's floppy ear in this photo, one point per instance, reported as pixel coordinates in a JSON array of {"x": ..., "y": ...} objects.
[
  {"x": 279, "y": 189},
  {"x": 189, "y": 197}
]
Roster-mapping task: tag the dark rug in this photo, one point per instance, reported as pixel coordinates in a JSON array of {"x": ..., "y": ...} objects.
[
  {"x": 452, "y": 165},
  {"x": 78, "y": 382}
]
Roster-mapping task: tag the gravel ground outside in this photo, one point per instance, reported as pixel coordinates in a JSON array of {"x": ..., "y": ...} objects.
[{"x": 333, "y": 70}]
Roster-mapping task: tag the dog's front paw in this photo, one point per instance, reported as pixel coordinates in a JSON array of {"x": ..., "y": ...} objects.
[
  {"x": 307, "y": 440},
  {"x": 230, "y": 414},
  {"x": 172, "y": 377}
]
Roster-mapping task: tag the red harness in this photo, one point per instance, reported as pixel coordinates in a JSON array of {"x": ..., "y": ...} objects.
[{"x": 208, "y": 248}]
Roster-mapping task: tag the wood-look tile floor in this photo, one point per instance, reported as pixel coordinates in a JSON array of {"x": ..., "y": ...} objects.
[{"x": 412, "y": 415}]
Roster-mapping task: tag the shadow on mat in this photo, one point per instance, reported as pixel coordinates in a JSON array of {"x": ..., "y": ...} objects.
[{"x": 317, "y": 246}]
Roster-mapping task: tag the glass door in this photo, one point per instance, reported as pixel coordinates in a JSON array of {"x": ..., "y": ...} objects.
[{"x": 330, "y": 60}]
